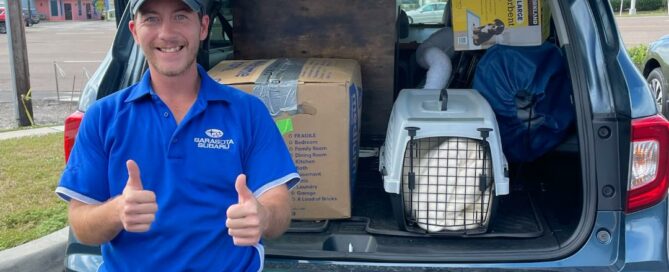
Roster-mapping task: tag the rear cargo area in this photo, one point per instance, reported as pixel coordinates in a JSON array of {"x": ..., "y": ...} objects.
[
  {"x": 541, "y": 212},
  {"x": 543, "y": 209}
]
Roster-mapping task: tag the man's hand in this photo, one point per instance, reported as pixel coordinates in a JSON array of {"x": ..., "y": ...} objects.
[
  {"x": 247, "y": 220},
  {"x": 137, "y": 206}
]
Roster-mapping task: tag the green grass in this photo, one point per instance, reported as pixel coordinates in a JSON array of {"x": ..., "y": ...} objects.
[
  {"x": 637, "y": 54},
  {"x": 29, "y": 172}
]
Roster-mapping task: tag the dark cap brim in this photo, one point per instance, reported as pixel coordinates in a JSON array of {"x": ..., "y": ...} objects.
[{"x": 195, "y": 5}]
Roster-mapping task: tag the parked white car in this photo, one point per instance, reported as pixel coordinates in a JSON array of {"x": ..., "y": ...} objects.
[{"x": 428, "y": 13}]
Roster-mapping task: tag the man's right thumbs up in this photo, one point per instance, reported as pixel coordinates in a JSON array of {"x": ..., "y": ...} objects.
[{"x": 138, "y": 206}]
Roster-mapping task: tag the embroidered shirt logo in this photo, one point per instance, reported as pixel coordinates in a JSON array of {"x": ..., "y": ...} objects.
[
  {"x": 214, "y": 133},
  {"x": 213, "y": 140}
]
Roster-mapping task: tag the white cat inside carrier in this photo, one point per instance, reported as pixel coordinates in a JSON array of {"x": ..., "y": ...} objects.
[{"x": 443, "y": 159}]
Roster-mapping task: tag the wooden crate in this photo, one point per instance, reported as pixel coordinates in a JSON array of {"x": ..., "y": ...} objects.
[{"x": 351, "y": 29}]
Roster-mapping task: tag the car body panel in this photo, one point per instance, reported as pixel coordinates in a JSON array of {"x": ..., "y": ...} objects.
[
  {"x": 3, "y": 23},
  {"x": 658, "y": 51},
  {"x": 640, "y": 246},
  {"x": 657, "y": 56}
]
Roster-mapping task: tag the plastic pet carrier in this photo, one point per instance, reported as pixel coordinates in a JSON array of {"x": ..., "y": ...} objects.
[{"x": 442, "y": 162}]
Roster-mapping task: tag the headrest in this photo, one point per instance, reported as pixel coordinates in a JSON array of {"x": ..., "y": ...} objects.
[
  {"x": 446, "y": 18},
  {"x": 402, "y": 24}
]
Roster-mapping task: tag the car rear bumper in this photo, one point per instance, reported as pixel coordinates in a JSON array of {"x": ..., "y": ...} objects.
[{"x": 618, "y": 242}]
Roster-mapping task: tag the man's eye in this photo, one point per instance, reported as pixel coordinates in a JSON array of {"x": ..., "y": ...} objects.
[
  {"x": 151, "y": 19},
  {"x": 180, "y": 17}
]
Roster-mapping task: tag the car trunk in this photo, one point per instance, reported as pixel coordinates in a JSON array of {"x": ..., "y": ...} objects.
[
  {"x": 541, "y": 215},
  {"x": 541, "y": 212}
]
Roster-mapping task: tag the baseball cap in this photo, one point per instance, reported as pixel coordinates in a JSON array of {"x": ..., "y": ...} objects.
[{"x": 195, "y": 5}]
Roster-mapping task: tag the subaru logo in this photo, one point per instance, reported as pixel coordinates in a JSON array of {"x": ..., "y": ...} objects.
[{"x": 214, "y": 133}]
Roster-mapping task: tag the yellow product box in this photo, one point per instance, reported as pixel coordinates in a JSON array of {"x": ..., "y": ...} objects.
[
  {"x": 316, "y": 104},
  {"x": 479, "y": 24}
]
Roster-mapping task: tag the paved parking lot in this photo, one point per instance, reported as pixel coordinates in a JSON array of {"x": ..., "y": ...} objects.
[
  {"x": 642, "y": 29},
  {"x": 76, "y": 47}
]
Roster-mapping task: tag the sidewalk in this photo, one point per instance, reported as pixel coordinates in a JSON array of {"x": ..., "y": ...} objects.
[
  {"x": 46, "y": 253},
  {"x": 30, "y": 132}
]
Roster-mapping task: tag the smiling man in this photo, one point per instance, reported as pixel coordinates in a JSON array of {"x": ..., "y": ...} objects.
[{"x": 215, "y": 171}]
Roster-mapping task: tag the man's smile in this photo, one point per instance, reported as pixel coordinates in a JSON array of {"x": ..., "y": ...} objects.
[{"x": 170, "y": 49}]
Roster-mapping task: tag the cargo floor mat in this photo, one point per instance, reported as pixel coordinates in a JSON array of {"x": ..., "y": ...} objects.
[{"x": 515, "y": 216}]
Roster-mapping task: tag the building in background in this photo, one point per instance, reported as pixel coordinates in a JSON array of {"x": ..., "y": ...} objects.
[{"x": 66, "y": 10}]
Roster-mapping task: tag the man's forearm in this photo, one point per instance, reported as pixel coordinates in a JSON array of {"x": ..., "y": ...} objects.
[
  {"x": 94, "y": 224},
  {"x": 277, "y": 206}
]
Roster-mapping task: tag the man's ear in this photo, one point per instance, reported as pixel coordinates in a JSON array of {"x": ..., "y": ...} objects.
[
  {"x": 204, "y": 27},
  {"x": 133, "y": 30}
]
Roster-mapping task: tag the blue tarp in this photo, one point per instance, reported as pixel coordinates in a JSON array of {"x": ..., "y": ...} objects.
[{"x": 529, "y": 89}]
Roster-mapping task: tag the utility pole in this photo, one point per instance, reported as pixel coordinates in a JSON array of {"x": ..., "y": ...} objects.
[
  {"x": 18, "y": 61},
  {"x": 30, "y": 14},
  {"x": 633, "y": 7}
]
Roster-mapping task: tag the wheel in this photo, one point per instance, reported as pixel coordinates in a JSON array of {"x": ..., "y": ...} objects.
[
  {"x": 410, "y": 19},
  {"x": 3, "y": 29},
  {"x": 659, "y": 88}
]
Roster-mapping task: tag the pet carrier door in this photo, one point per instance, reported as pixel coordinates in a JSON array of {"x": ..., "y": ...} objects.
[{"x": 443, "y": 158}]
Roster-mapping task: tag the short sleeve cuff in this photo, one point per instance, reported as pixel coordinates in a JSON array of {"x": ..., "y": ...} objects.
[
  {"x": 67, "y": 195},
  {"x": 290, "y": 180}
]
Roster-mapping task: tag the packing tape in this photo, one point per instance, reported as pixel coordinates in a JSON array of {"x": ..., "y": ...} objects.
[{"x": 277, "y": 86}]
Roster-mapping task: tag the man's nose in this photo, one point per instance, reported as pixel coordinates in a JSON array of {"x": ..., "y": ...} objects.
[{"x": 167, "y": 29}]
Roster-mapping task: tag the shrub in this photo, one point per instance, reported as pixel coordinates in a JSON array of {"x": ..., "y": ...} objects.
[
  {"x": 637, "y": 54},
  {"x": 645, "y": 5}
]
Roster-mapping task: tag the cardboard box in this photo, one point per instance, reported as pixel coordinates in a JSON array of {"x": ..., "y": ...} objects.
[
  {"x": 479, "y": 24},
  {"x": 316, "y": 103}
]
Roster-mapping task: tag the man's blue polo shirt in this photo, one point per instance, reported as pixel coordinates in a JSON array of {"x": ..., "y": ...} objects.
[{"x": 191, "y": 167}]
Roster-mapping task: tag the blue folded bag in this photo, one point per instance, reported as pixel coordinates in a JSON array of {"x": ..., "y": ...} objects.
[{"x": 529, "y": 89}]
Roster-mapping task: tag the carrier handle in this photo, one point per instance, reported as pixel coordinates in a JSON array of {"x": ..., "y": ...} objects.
[
  {"x": 443, "y": 97},
  {"x": 483, "y": 179}
]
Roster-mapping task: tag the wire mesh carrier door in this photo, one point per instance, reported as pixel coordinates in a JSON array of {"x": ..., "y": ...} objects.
[{"x": 447, "y": 184}]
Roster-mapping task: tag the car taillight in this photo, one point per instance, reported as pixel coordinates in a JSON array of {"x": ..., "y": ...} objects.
[
  {"x": 650, "y": 149},
  {"x": 72, "y": 123}
]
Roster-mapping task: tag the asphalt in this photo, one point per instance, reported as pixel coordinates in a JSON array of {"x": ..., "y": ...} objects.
[{"x": 46, "y": 253}]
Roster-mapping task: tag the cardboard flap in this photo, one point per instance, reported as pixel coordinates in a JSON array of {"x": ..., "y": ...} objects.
[
  {"x": 239, "y": 71},
  {"x": 330, "y": 71},
  {"x": 313, "y": 70}
]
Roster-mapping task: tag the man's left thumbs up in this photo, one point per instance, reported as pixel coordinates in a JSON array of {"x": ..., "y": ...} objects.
[{"x": 247, "y": 219}]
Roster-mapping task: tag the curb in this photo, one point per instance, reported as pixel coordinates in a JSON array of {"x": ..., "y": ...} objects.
[
  {"x": 30, "y": 132},
  {"x": 44, "y": 254}
]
